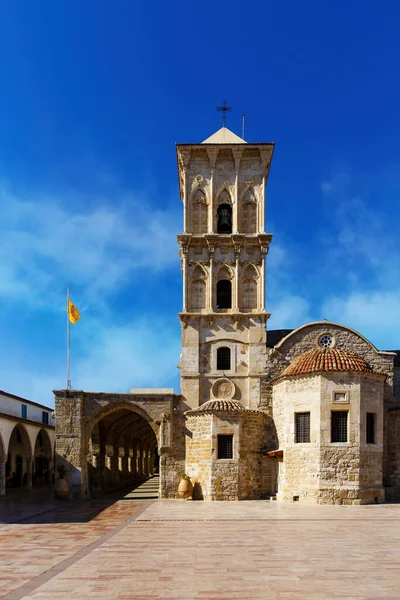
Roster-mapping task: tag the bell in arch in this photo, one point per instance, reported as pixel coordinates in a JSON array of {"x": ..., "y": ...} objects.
[{"x": 224, "y": 218}]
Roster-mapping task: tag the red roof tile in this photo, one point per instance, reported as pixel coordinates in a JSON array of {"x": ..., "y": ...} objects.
[
  {"x": 220, "y": 406},
  {"x": 326, "y": 359}
]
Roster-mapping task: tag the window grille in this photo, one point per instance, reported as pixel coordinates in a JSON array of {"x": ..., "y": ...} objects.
[
  {"x": 339, "y": 426},
  {"x": 224, "y": 359},
  {"x": 225, "y": 446},
  {"x": 370, "y": 428},
  {"x": 303, "y": 428}
]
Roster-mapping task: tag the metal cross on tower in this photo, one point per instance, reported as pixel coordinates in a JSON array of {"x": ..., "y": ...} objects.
[{"x": 224, "y": 109}]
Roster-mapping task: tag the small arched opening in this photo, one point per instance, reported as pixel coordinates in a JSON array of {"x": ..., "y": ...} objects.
[
  {"x": 224, "y": 293},
  {"x": 43, "y": 459},
  {"x": 19, "y": 459},
  {"x": 224, "y": 223}
]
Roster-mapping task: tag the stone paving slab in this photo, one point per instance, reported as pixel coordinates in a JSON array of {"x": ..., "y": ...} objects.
[
  {"x": 245, "y": 550},
  {"x": 184, "y": 510}
]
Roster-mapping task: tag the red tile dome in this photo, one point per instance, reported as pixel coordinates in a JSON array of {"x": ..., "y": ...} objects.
[
  {"x": 220, "y": 406},
  {"x": 322, "y": 360}
]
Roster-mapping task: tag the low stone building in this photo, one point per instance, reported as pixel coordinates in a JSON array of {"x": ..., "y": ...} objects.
[
  {"x": 27, "y": 439},
  {"x": 311, "y": 414}
]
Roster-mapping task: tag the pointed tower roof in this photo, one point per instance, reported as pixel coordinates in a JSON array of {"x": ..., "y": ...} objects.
[{"x": 224, "y": 136}]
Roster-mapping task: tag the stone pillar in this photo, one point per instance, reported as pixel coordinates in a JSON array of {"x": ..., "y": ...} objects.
[
  {"x": 184, "y": 273},
  {"x": 50, "y": 472},
  {"x": 2, "y": 478},
  {"x": 70, "y": 440},
  {"x": 29, "y": 466},
  {"x": 210, "y": 303},
  {"x": 140, "y": 463},
  {"x": 134, "y": 464},
  {"x": 151, "y": 462},
  {"x": 115, "y": 469},
  {"x": 236, "y": 297},
  {"x": 145, "y": 463}
]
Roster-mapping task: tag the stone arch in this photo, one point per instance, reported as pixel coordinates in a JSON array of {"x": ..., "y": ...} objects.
[
  {"x": 105, "y": 411},
  {"x": 224, "y": 272},
  {"x": 199, "y": 211},
  {"x": 120, "y": 439},
  {"x": 224, "y": 196},
  {"x": 248, "y": 211},
  {"x": 198, "y": 288},
  {"x": 223, "y": 214},
  {"x": 43, "y": 458},
  {"x": 224, "y": 287},
  {"x": 19, "y": 458}
]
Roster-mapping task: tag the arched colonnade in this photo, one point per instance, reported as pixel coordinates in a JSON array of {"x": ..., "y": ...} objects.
[
  {"x": 26, "y": 456},
  {"x": 121, "y": 448}
]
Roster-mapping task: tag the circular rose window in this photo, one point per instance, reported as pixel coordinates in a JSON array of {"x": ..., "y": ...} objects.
[
  {"x": 326, "y": 341},
  {"x": 223, "y": 389}
]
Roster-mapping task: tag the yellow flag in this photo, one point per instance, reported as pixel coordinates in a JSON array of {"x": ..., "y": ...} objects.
[{"x": 73, "y": 313}]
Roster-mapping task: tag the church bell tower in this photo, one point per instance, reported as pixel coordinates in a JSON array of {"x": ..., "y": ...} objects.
[{"x": 223, "y": 248}]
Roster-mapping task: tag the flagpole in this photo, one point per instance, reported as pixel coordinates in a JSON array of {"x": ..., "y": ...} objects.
[{"x": 68, "y": 344}]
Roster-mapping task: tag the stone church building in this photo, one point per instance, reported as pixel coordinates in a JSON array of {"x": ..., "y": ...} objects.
[{"x": 311, "y": 414}]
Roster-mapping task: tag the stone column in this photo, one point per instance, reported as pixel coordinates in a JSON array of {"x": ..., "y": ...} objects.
[
  {"x": 236, "y": 300},
  {"x": 145, "y": 463},
  {"x": 184, "y": 274},
  {"x": 140, "y": 463},
  {"x": 151, "y": 462},
  {"x": 2, "y": 478},
  {"x": 134, "y": 464},
  {"x": 29, "y": 466},
  {"x": 50, "y": 466},
  {"x": 211, "y": 279}
]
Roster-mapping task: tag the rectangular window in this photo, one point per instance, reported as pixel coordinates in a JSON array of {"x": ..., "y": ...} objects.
[
  {"x": 339, "y": 426},
  {"x": 340, "y": 397},
  {"x": 370, "y": 428},
  {"x": 223, "y": 359},
  {"x": 302, "y": 428},
  {"x": 45, "y": 417},
  {"x": 225, "y": 446},
  {"x": 24, "y": 411}
]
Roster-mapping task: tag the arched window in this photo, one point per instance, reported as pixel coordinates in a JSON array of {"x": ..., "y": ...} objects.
[
  {"x": 224, "y": 359},
  {"x": 249, "y": 288},
  {"x": 224, "y": 294},
  {"x": 199, "y": 212},
  {"x": 224, "y": 224},
  {"x": 249, "y": 212},
  {"x": 198, "y": 289},
  {"x": 198, "y": 294}
]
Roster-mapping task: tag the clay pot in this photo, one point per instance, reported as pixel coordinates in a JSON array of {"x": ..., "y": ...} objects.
[
  {"x": 61, "y": 489},
  {"x": 185, "y": 489}
]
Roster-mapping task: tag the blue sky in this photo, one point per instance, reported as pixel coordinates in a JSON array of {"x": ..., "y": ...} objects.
[{"x": 94, "y": 96}]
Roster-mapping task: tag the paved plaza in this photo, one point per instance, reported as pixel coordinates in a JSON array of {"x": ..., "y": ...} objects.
[{"x": 134, "y": 547}]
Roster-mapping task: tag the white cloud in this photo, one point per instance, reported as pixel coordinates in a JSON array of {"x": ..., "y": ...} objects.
[
  {"x": 377, "y": 315},
  {"x": 104, "y": 357},
  {"x": 47, "y": 243}
]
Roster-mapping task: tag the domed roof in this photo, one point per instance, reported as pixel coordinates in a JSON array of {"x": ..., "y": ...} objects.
[
  {"x": 324, "y": 360},
  {"x": 220, "y": 406}
]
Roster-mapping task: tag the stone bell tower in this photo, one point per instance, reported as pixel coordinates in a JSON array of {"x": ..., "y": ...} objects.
[{"x": 223, "y": 248}]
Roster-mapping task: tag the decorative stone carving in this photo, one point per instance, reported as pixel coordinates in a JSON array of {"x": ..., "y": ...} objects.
[
  {"x": 223, "y": 389},
  {"x": 224, "y": 197}
]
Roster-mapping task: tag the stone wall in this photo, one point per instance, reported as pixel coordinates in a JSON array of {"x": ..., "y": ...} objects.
[
  {"x": 322, "y": 471},
  {"x": 246, "y": 475},
  {"x": 77, "y": 412}
]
